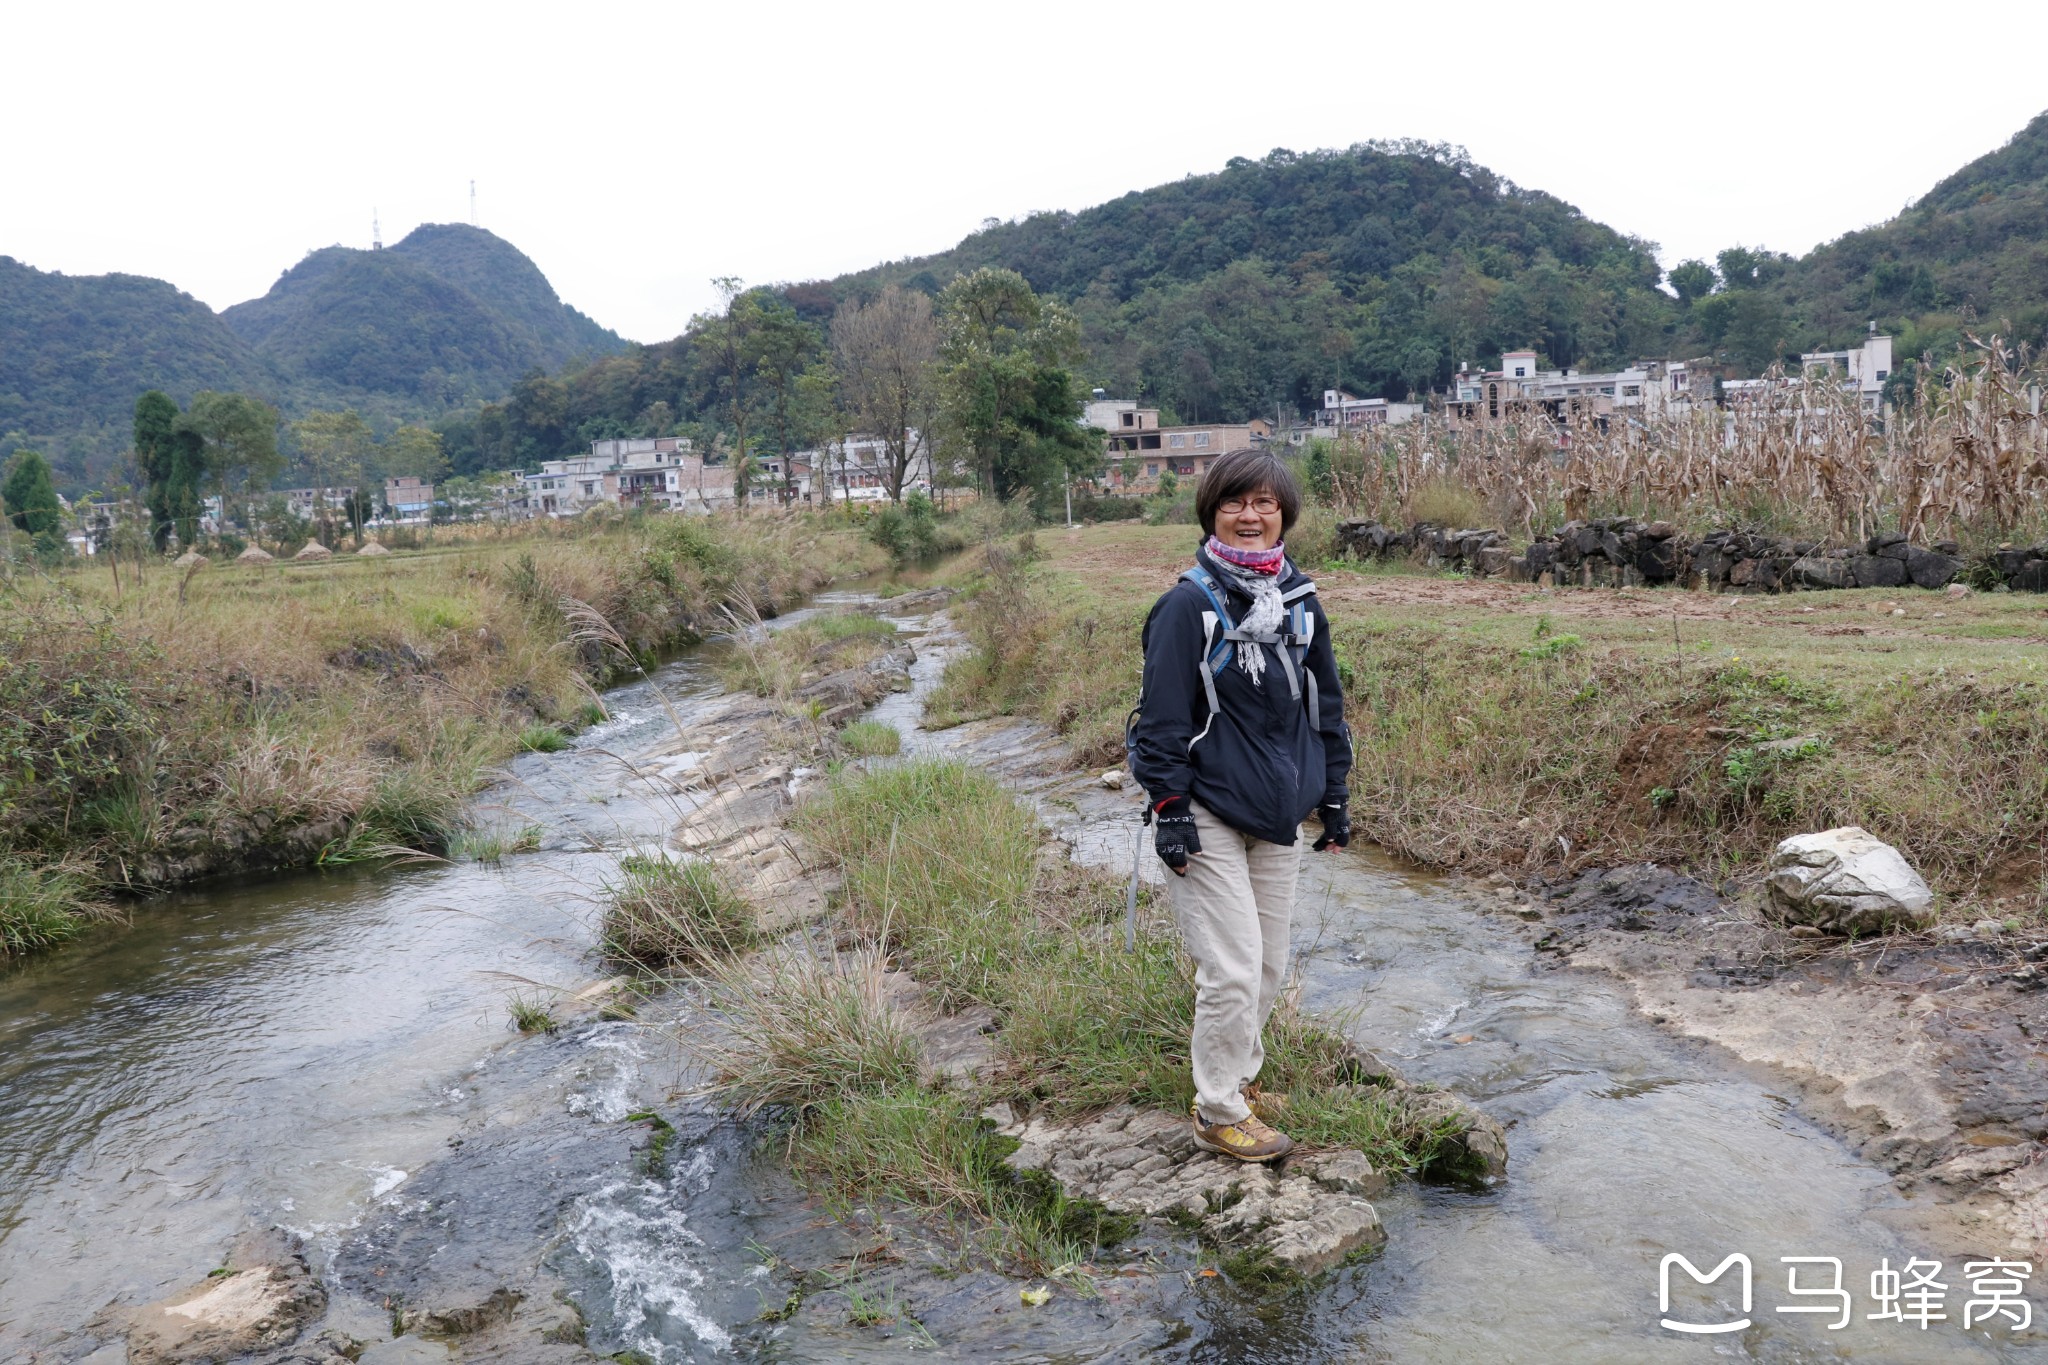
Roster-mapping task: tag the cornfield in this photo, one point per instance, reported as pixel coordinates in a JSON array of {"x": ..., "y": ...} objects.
[{"x": 1965, "y": 459}]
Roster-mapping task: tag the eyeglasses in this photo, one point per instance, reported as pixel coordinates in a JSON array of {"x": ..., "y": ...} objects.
[{"x": 1265, "y": 505}]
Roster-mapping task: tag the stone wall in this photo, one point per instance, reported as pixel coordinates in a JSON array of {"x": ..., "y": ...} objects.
[{"x": 1623, "y": 552}]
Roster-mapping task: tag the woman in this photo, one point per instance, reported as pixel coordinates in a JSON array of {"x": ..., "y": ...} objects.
[{"x": 1239, "y": 735}]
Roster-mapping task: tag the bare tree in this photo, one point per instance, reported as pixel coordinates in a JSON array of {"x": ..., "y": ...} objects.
[{"x": 886, "y": 352}]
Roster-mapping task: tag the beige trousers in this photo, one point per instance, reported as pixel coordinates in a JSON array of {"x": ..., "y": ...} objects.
[{"x": 1233, "y": 905}]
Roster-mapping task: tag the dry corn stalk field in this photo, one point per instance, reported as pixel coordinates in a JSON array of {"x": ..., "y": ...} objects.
[{"x": 1966, "y": 459}]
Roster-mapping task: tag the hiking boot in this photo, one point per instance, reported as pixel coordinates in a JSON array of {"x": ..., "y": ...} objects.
[
  {"x": 1270, "y": 1106},
  {"x": 1249, "y": 1139}
]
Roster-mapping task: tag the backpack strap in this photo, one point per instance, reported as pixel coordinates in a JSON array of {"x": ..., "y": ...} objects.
[
  {"x": 1218, "y": 654},
  {"x": 1218, "y": 646}
]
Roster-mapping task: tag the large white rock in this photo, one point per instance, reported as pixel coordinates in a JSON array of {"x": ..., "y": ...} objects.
[{"x": 1848, "y": 881}]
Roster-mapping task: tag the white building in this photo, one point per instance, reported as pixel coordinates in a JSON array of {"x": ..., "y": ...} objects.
[
  {"x": 1341, "y": 410},
  {"x": 1864, "y": 369},
  {"x": 856, "y": 468},
  {"x": 641, "y": 471}
]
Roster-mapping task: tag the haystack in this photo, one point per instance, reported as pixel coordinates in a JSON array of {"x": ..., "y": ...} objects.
[
  {"x": 255, "y": 554},
  {"x": 371, "y": 547},
  {"x": 191, "y": 559},
  {"x": 313, "y": 549}
]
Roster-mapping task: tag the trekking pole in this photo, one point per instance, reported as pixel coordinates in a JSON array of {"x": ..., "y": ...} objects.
[{"x": 1131, "y": 892}]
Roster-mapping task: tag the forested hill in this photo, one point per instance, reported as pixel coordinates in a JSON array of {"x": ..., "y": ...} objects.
[
  {"x": 1972, "y": 254},
  {"x": 1379, "y": 267},
  {"x": 75, "y": 350},
  {"x": 451, "y": 314}
]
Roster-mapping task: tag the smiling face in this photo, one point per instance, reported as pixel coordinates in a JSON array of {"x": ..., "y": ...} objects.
[{"x": 1250, "y": 522}]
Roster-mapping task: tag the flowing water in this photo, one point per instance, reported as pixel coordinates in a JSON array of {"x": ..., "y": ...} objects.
[{"x": 329, "y": 1052}]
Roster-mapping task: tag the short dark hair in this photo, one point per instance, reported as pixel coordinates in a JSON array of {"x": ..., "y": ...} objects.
[{"x": 1242, "y": 472}]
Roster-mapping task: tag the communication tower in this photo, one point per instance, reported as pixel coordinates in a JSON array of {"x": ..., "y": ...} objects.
[
  {"x": 472, "y": 203},
  {"x": 376, "y": 232}
]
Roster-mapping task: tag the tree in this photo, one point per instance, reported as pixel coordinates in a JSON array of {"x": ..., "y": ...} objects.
[
  {"x": 237, "y": 438},
  {"x": 724, "y": 342},
  {"x": 1008, "y": 394},
  {"x": 415, "y": 452},
  {"x": 172, "y": 458},
  {"x": 1692, "y": 281},
  {"x": 30, "y": 496},
  {"x": 794, "y": 387},
  {"x": 886, "y": 353},
  {"x": 336, "y": 448}
]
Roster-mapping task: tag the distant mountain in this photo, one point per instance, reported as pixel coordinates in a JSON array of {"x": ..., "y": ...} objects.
[
  {"x": 451, "y": 314},
  {"x": 1379, "y": 267},
  {"x": 1970, "y": 254},
  {"x": 75, "y": 350}
]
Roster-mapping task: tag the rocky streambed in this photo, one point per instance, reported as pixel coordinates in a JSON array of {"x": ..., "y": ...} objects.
[{"x": 442, "y": 1194}]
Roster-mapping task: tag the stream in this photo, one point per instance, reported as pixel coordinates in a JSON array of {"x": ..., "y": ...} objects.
[{"x": 331, "y": 1052}]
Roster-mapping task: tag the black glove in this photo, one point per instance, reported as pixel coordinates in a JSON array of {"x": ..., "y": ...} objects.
[
  {"x": 1336, "y": 818},
  {"x": 1173, "y": 833}
]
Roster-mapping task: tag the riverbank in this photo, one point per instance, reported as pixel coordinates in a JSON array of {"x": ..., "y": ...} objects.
[
  {"x": 569, "y": 1194},
  {"x": 234, "y": 718},
  {"x": 1619, "y": 764},
  {"x": 1504, "y": 727}
]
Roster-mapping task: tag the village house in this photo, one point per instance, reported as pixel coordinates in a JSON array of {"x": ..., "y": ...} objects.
[
  {"x": 408, "y": 498},
  {"x": 638, "y": 471},
  {"x": 1138, "y": 450},
  {"x": 853, "y": 468},
  {"x": 304, "y": 501}
]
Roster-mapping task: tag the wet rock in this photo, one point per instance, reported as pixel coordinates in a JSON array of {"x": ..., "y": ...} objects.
[
  {"x": 405, "y": 1350},
  {"x": 1144, "y": 1162},
  {"x": 261, "y": 1304},
  {"x": 1848, "y": 881},
  {"x": 1346, "y": 1170},
  {"x": 1476, "y": 1150}
]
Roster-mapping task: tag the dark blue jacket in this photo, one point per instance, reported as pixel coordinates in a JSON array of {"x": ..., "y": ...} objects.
[{"x": 1259, "y": 766}]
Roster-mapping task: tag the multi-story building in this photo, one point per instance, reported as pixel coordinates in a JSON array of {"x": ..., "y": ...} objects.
[
  {"x": 856, "y": 468},
  {"x": 640, "y": 471},
  {"x": 303, "y": 501},
  {"x": 409, "y": 498},
  {"x": 1138, "y": 450},
  {"x": 1342, "y": 410}
]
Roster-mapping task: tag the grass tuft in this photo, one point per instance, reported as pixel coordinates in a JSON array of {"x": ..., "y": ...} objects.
[
  {"x": 42, "y": 906},
  {"x": 663, "y": 912},
  {"x": 871, "y": 739},
  {"x": 542, "y": 738},
  {"x": 802, "y": 1030},
  {"x": 530, "y": 1014}
]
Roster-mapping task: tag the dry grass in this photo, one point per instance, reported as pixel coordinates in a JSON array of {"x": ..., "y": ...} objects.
[
  {"x": 1968, "y": 460},
  {"x": 186, "y": 723},
  {"x": 1505, "y": 726}
]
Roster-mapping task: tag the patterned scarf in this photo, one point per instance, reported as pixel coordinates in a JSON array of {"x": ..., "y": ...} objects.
[{"x": 1255, "y": 573}]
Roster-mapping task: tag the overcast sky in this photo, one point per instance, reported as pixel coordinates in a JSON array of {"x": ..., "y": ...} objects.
[{"x": 635, "y": 150}]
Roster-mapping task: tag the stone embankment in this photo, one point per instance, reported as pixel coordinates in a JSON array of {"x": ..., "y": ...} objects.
[{"x": 1624, "y": 553}]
